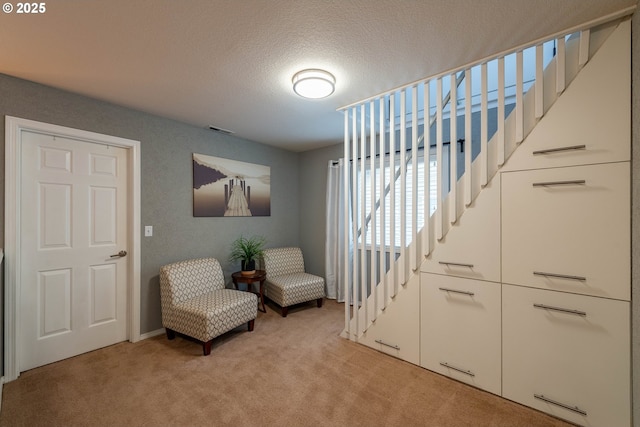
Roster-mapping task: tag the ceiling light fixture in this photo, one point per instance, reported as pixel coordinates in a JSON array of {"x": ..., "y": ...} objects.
[{"x": 313, "y": 83}]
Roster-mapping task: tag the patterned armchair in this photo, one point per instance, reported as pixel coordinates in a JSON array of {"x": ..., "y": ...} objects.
[
  {"x": 195, "y": 302},
  {"x": 287, "y": 283}
]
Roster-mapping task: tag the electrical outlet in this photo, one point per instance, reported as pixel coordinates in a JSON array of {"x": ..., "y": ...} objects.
[{"x": 148, "y": 230}]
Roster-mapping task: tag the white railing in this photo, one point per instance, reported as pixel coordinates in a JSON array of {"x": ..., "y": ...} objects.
[{"x": 491, "y": 105}]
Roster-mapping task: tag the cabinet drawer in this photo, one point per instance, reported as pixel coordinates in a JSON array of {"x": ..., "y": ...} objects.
[
  {"x": 570, "y": 349},
  {"x": 460, "y": 330},
  {"x": 471, "y": 247},
  {"x": 568, "y": 229},
  {"x": 396, "y": 329}
]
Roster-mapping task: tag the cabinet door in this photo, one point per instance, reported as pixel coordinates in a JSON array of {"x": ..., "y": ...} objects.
[
  {"x": 591, "y": 121},
  {"x": 460, "y": 330},
  {"x": 396, "y": 329},
  {"x": 567, "y": 354},
  {"x": 568, "y": 229},
  {"x": 471, "y": 247}
]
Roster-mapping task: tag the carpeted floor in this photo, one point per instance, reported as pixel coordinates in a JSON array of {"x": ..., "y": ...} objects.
[{"x": 293, "y": 371}]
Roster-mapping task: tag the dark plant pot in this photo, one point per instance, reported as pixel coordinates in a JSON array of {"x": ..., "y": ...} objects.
[{"x": 248, "y": 267}]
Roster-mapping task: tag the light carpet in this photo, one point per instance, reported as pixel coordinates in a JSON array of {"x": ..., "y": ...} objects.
[{"x": 293, "y": 371}]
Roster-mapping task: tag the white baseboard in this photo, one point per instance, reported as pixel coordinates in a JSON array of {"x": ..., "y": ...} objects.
[{"x": 152, "y": 334}]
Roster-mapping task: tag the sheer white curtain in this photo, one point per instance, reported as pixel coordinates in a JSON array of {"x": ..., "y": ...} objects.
[{"x": 335, "y": 264}]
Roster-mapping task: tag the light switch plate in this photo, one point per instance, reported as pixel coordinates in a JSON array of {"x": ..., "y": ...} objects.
[{"x": 148, "y": 230}]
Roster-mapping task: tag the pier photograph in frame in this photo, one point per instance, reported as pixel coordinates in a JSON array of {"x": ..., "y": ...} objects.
[{"x": 224, "y": 187}]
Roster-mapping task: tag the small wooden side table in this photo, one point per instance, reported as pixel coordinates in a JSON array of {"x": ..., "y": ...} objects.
[{"x": 259, "y": 276}]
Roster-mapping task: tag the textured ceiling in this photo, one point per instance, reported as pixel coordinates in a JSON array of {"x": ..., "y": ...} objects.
[{"x": 229, "y": 63}]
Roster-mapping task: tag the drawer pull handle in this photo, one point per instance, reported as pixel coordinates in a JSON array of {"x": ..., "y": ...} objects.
[
  {"x": 561, "y": 276},
  {"x": 457, "y": 264},
  {"x": 550, "y": 183},
  {"x": 560, "y": 309},
  {"x": 562, "y": 405},
  {"x": 555, "y": 150},
  {"x": 388, "y": 345},
  {"x": 446, "y": 365},
  {"x": 455, "y": 291}
]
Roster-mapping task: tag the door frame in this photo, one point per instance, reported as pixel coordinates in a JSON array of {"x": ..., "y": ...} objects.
[{"x": 14, "y": 127}]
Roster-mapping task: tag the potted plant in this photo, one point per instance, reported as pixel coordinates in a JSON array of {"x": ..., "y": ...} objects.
[{"x": 247, "y": 251}]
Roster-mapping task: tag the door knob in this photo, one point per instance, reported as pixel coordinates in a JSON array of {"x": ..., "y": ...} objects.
[{"x": 119, "y": 254}]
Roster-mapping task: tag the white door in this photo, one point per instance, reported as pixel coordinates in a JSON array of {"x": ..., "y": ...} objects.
[{"x": 73, "y": 224}]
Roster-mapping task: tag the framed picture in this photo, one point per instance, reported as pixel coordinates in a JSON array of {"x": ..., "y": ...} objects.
[{"x": 223, "y": 187}]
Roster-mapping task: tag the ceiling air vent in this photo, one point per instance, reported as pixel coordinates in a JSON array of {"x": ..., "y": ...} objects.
[{"x": 217, "y": 129}]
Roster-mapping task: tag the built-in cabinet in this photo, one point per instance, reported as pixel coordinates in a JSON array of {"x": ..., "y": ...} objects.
[
  {"x": 554, "y": 332},
  {"x": 385, "y": 336},
  {"x": 568, "y": 229},
  {"x": 460, "y": 297},
  {"x": 471, "y": 248},
  {"x": 565, "y": 226},
  {"x": 567, "y": 354},
  {"x": 460, "y": 332},
  {"x": 566, "y": 290}
]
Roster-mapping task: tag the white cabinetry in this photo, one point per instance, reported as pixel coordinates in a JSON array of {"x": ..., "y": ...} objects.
[
  {"x": 568, "y": 229},
  {"x": 460, "y": 334},
  {"x": 591, "y": 122},
  {"x": 396, "y": 329},
  {"x": 471, "y": 247},
  {"x": 566, "y": 287},
  {"x": 567, "y": 355}
]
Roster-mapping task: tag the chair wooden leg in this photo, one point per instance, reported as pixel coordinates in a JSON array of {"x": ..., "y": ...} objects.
[
  {"x": 250, "y": 324},
  {"x": 319, "y": 302},
  {"x": 206, "y": 347},
  {"x": 171, "y": 334},
  {"x": 285, "y": 311}
]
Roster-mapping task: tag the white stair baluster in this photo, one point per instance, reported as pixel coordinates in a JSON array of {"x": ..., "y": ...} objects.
[
  {"x": 519, "y": 109},
  {"x": 439, "y": 136},
  {"x": 402, "y": 271},
  {"x": 373, "y": 196},
  {"x": 539, "y": 88},
  {"x": 426, "y": 241},
  {"x": 354, "y": 201},
  {"x": 501, "y": 112},
  {"x": 583, "y": 55},
  {"x": 453, "y": 150},
  {"x": 346, "y": 240},
  {"x": 392, "y": 194},
  {"x": 484, "y": 126},
  {"x": 363, "y": 212},
  {"x": 560, "y": 66},
  {"x": 383, "y": 259},
  {"x": 414, "y": 261},
  {"x": 467, "y": 137}
]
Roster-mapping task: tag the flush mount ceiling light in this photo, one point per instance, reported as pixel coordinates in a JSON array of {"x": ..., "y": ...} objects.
[{"x": 313, "y": 83}]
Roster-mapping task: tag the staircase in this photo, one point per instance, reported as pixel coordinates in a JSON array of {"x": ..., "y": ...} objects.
[
  {"x": 415, "y": 238},
  {"x": 398, "y": 118}
]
